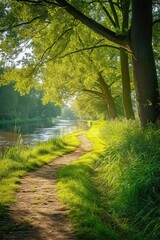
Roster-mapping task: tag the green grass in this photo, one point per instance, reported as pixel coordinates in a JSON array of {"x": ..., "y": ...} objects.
[
  {"x": 19, "y": 160},
  {"x": 78, "y": 190},
  {"x": 114, "y": 191}
]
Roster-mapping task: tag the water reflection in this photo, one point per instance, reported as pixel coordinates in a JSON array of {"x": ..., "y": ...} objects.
[
  {"x": 43, "y": 134},
  {"x": 37, "y": 134}
]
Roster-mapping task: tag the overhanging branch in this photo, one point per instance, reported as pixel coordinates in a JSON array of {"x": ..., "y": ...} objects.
[
  {"x": 20, "y": 24},
  {"x": 101, "y": 30},
  {"x": 95, "y": 26},
  {"x": 89, "y": 48},
  {"x": 114, "y": 13}
]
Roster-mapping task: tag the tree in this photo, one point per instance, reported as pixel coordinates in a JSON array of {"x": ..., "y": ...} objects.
[
  {"x": 126, "y": 85},
  {"x": 8, "y": 103},
  {"x": 140, "y": 43},
  {"x": 13, "y": 106},
  {"x": 114, "y": 15},
  {"x": 145, "y": 76},
  {"x": 92, "y": 74},
  {"x": 137, "y": 40},
  {"x": 88, "y": 106}
]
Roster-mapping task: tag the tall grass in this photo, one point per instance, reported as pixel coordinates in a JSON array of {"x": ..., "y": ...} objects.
[
  {"x": 129, "y": 174},
  {"x": 114, "y": 191}
]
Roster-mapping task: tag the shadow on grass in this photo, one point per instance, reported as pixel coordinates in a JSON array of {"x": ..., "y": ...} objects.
[{"x": 88, "y": 212}]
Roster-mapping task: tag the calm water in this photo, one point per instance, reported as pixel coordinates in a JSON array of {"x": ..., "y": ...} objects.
[{"x": 31, "y": 136}]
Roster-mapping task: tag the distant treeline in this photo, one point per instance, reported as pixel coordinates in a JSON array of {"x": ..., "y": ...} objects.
[{"x": 13, "y": 106}]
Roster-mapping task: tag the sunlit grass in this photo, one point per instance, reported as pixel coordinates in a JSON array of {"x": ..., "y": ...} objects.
[
  {"x": 17, "y": 161},
  {"x": 78, "y": 190},
  {"x": 129, "y": 180},
  {"x": 114, "y": 191}
]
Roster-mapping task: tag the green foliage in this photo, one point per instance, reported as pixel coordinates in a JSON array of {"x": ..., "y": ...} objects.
[
  {"x": 51, "y": 64},
  {"x": 67, "y": 113},
  {"x": 49, "y": 34},
  {"x": 87, "y": 106},
  {"x": 14, "y": 106},
  {"x": 66, "y": 78}
]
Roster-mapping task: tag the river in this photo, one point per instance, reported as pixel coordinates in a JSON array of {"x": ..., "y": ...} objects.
[{"x": 37, "y": 134}]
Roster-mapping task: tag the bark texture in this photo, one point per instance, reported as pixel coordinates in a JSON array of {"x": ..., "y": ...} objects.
[{"x": 145, "y": 77}]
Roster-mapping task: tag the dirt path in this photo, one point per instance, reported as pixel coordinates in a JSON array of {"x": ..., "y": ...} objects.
[{"x": 37, "y": 213}]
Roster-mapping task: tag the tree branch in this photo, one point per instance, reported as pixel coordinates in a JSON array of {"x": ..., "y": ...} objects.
[
  {"x": 20, "y": 24},
  {"x": 95, "y": 26},
  {"x": 93, "y": 92},
  {"x": 89, "y": 48},
  {"x": 114, "y": 13},
  {"x": 108, "y": 15},
  {"x": 101, "y": 30},
  {"x": 112, "y": 83}
]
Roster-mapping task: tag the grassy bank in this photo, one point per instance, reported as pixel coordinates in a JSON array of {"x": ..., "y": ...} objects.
[
  {"x": 17, "y": 161},
  {"x": 114, "y": 191}
]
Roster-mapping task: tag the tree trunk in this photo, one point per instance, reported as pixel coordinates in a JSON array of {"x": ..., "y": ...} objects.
[
  {"x": 145, "y": 77},
  {"x": 108, "y": 99},
  {"x": 126, "y": 89}
]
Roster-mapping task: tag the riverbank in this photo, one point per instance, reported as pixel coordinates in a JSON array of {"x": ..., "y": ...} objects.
[
  {"x": 37, "y": 212},
  {"x": 113, "y": 191},
  {"x": 19, "y": 160},
  {"x": 11, "y": 131},
  {"x": 31, "y": 133}
]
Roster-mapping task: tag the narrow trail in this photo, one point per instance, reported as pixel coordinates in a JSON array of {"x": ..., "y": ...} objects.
[{"x": 37, "y": 213}]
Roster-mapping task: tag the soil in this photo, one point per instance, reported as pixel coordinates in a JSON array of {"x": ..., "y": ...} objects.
[{"x": 37, "y": 213}]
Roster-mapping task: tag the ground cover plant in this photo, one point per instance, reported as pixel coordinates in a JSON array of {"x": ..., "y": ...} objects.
[{"x": 113, "y": 192}]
